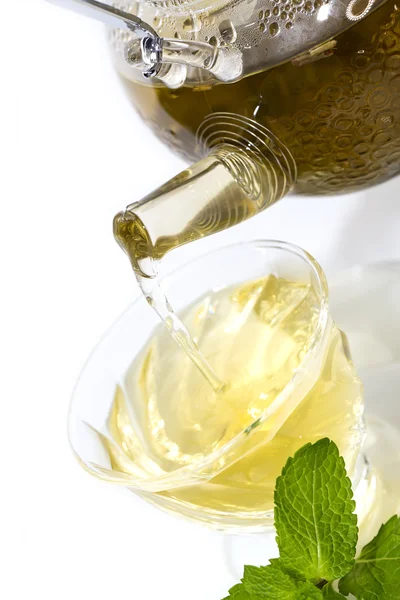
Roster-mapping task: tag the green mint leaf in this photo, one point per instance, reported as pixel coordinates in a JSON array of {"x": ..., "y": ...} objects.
[
  {"x": 329, "y": 593},
  {"x": 316, "y": 528},
  {"x": 273, "y": 582},
  {"x": 238, "y": 593},
  {"x": 376, "y": 574},
  {"x": 308, "y": 591}
]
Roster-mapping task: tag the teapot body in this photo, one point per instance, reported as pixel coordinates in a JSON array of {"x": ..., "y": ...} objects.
[{"x": 336, "y": 107}]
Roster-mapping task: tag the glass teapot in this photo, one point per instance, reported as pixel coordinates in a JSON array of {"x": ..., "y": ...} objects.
[{"x": 268, "y": 96}]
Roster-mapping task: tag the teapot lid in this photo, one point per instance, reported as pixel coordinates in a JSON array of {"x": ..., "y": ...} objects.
[{"x": 180, "y": 41}]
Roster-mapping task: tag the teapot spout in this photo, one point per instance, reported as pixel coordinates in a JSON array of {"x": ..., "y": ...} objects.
[{"x": 232, "y": 183}]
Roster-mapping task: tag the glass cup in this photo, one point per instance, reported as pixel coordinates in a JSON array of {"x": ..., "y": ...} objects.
[{"x": 230, "y": 486}]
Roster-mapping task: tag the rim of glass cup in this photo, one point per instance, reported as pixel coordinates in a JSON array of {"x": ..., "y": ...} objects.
[{"x": 316, "y": 346}]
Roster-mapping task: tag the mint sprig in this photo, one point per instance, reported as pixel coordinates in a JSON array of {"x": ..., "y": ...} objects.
[{"x": 317, "y": 537}]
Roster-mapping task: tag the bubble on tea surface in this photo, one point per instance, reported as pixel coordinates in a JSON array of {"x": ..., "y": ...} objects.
[
  {"x": 227, "y": 31},
  {"x": 358, "y": 9},
  {"x": 274, "y": 29},
  {"x": 192, "y": 24}
]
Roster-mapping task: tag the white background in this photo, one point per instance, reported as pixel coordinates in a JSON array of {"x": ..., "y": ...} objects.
[{"x": 73, "y": 152}]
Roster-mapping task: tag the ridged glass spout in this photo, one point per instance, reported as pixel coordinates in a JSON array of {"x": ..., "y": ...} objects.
[{"x": 244, "y": 172}]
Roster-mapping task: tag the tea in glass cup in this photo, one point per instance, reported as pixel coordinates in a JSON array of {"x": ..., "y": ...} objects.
[{"x": 144, "y": 415}]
